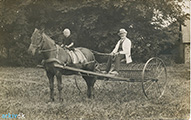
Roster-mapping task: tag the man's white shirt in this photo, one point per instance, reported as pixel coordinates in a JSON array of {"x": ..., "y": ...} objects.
[{"x": 126, "y": 49}]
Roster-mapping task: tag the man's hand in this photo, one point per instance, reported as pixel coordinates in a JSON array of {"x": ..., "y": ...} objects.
[
  {"x": 67, "y": 46},
  {"x": 114, "y": 54},
  {"x": 117, "y": 53}
]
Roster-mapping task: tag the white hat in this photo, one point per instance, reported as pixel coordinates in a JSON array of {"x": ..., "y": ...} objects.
[
  {"x": 66, "y": 32},
  {"x": 122, "y": 31}
]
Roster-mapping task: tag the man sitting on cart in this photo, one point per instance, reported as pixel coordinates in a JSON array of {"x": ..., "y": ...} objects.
[{"x": 122, "y": 50}]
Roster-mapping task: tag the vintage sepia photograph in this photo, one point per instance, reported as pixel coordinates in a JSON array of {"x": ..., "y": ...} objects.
[{"x": 95, "y": 59}]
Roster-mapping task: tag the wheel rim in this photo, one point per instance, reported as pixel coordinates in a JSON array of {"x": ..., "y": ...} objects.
[{"x": 154, "y": 78}]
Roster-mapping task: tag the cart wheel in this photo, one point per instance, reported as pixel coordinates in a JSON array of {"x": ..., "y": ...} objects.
[{"x": 154, "y": 78}]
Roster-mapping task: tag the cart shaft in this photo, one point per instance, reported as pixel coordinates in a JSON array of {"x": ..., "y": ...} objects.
[{"x": 99, "y": 75}]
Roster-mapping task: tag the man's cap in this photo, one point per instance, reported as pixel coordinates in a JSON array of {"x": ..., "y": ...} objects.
[{"x": 122, "y": 31}]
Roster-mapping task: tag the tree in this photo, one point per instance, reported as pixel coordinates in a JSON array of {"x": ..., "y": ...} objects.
[{"x": 95, "y": 22}]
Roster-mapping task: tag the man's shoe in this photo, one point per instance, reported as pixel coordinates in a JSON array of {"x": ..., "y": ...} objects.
[
  {"x": 40, "y": 66},
  {"x": 114, "y": 73}
]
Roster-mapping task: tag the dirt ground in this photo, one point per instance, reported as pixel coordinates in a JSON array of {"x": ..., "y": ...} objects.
[{"x": 26, "y": 90}]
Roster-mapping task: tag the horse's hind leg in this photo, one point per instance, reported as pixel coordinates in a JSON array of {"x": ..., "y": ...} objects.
[
  {"x": 90, "y": 84},
  {"x": 59, "y": 83},
  {"x": 51, "y": 83}
]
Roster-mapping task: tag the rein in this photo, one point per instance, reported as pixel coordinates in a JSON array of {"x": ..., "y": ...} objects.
[
  {"x": 48, "y": 50},
  {"x": 39, "y": 46},
  {"x": 99, "y": 53}
]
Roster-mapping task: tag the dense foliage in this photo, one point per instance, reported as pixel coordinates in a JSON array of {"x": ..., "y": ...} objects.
[{"x": 95, "y": 22}]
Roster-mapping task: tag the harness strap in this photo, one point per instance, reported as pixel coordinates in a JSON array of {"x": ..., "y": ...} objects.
[
  {"x": 99, "y": 53},
  {"x": 52, "y": 60},
  {"x": 38, "y": 45},
  {"x": 48, "y": 50},
  {"x": 57, "y": 51}
]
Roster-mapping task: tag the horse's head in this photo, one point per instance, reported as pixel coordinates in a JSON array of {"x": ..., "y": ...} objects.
[{"x": 36, "y": 41}]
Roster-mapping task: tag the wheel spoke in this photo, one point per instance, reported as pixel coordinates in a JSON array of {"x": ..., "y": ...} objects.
[
  {"x": 158, "y": 88},
  {"x": 158, "y": 66},
  {"x": 160, "y": 73},
  {"x": 154, "y": 71},
  {"x": 149, "y": 86}
]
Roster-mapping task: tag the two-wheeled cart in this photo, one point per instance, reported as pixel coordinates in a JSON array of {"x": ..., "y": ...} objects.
[{"x": 152, "y": 75}]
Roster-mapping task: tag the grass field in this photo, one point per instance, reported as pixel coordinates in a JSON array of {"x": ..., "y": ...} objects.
[{"x": 26, "y": 90}]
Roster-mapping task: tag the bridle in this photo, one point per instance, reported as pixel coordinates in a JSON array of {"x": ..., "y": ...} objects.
[{"x": 39, "y": 46}]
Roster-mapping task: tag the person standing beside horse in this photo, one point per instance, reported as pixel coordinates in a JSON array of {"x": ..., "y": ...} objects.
[{"x": 122, "y": 50}]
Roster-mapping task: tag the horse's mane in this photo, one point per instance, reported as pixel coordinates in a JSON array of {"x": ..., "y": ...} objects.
[
  {"x": 40, "y": 32},
  {"x": 48, "y": 38}
]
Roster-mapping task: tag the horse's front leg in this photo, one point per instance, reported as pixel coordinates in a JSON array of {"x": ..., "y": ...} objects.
[
  {"x": 51, "y": 83},
  {"x": 59, "y": 84}
]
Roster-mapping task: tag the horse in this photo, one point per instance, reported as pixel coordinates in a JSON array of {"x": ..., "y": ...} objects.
[{"x": 54, "y": 54}]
